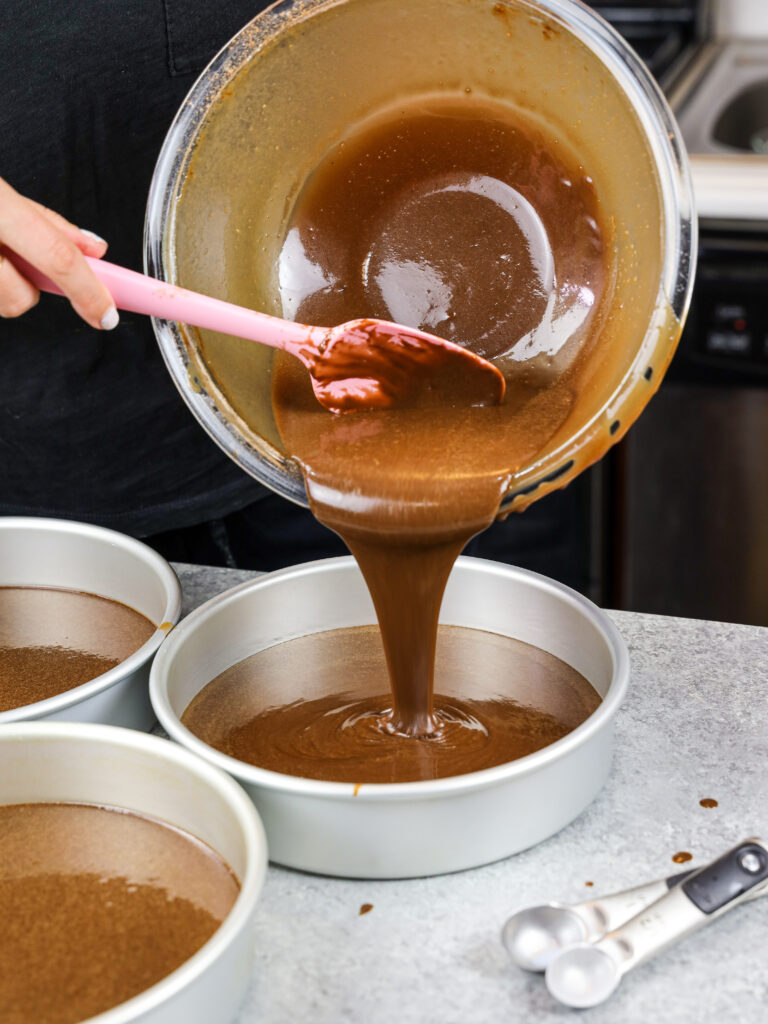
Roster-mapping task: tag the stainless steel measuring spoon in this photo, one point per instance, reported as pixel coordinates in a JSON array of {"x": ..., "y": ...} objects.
[
  {"x": 534, "y": 935},
  {"x": 585, "y": 974}
]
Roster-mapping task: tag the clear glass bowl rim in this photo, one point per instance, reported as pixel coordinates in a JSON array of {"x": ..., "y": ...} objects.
[{"x": 256, "y": 456}]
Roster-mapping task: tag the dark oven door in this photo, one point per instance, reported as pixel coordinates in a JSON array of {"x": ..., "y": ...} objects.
[{"x": 689, "y": 492}]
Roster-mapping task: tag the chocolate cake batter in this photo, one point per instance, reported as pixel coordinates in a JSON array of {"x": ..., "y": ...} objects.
[
  {"x": 460, "y": 217},
  {"x": 499, "y": 699},
  {"x": 52, "y": 640},
  {"x": 472, "y": 220},
  {"x": 96, "y": 905}
]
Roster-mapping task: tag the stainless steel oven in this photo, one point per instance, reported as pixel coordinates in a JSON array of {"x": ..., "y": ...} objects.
[
  {"x": 573, "y": 535},
  {"x": 688, "y": 509},
  {"x": 681, "y": 526},
  {"x": 675, "y": 519}
]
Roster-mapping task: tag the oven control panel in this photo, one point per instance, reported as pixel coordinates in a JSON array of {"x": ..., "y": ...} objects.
[{"x": 726, "y": 336}]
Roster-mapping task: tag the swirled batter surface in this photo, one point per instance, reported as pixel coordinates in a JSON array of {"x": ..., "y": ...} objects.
[{"x": 497, "y": 700}]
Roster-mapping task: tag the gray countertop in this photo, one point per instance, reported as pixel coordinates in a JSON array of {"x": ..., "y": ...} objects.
[{"x": 695, "y": 724}]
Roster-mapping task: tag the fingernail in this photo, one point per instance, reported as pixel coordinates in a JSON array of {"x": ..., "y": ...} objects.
[
  {"x": 110, "y": 320},
  {"x": 94, "y": 236}
]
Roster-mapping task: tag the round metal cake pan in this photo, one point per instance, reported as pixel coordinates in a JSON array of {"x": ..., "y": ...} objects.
[
  {"x": 417, "y": 828},
  {"x": 97, "y": 764},
  {"x": 37, "y": 552}
]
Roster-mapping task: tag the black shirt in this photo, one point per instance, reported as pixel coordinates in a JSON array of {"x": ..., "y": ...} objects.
[{"x": 91, "y": 426}]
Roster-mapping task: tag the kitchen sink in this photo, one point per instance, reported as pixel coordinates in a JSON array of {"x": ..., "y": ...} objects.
[
  {"x": 743, "y": 124},
  {"x": 721, "y": 101}
]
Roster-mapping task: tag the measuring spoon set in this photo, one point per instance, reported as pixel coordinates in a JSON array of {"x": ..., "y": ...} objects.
[{"x": 585, "y": 949}]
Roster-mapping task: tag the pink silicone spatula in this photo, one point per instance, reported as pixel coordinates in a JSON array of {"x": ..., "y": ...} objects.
[{"x": 362, "y": 364}]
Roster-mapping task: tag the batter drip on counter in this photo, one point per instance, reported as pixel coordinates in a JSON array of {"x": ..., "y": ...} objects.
[
  {"x": 52, "y": 640},
  {"x": 98, "y": 904},
  {"x": 499, "y": 699}
]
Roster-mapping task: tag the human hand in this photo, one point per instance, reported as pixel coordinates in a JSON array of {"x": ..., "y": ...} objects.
[{"x": 56, "y": 247}]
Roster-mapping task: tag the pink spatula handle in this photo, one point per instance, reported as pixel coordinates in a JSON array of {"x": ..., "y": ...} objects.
[
  {"x": 361, "y": 364},
  {"x": 137, "y": 293}
]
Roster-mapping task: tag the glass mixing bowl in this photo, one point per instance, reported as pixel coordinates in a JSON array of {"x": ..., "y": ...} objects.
[{"x": 288, "y": 87}]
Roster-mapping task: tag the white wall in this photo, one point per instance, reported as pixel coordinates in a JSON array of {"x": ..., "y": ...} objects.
[{"x": 744, "y": 18}]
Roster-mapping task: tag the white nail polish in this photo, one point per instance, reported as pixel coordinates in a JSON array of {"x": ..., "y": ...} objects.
[
  {"x": 93, "y": 235},
  {"x": 110, "y": 320}
]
